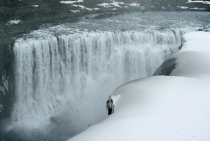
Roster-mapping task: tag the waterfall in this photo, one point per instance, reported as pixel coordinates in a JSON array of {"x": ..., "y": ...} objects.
[{"x": 62, "y": 81}]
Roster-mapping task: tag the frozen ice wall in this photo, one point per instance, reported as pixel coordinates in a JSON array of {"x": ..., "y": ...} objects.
[{"x": 62, "y": 81}]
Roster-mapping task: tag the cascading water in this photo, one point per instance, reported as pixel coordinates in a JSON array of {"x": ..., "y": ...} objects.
[
  {"x": 63, "y": 79},
  {"x": 66, "y": 79}
]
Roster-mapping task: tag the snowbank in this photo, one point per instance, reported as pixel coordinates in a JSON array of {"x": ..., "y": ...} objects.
[
  {"x": 194, "y": 57},
  {"x": 163, "y": 108}
]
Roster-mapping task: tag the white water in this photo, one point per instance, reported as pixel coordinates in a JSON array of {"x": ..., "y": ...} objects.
[{"x": 63, "y": 81}]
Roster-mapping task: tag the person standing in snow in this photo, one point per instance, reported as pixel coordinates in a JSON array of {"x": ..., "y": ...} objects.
[{"x": 110, "y": 106}]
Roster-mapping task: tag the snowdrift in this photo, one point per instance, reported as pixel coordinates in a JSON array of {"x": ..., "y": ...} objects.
[{"x": 163, "y": 108}]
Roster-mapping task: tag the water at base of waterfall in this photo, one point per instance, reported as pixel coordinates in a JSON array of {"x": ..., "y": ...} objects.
[{"x": 65, "y": 73}]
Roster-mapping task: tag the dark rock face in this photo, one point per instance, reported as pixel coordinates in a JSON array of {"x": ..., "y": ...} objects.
[
  {"x": 6, "y": 83},
  {"x": 166, "y": 68}
]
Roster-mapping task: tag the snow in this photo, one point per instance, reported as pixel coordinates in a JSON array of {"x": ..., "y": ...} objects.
[
  {"x": 35, "y": 6},
  {"x": 182, "y": 7},
  {"x": 1, "y": 106},
  {"x": 70, "y": 2},
  {"x": 196, "y": 8},
  {"x": 88, "y": 9},
  {"x": 82, "y": 7},
  {"x": 135, "y": 4},
  {"x": 193, "y": 60},
  {"x": 14, "y": 21},
  {"x": 112, "y": 4},
  {"x": 163, "y": 108},
  {"x": 194, "y": 41},
  {"x": 116, "y": 4},
  {"x": 116, "y": 98},
  {"x": 75, "y": 11},
  {"x": 106, "y": 5},
  {"x": 204, "y": 2}
]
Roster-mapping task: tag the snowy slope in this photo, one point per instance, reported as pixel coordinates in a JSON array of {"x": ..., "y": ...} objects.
[{"x": 163, "y": 108}]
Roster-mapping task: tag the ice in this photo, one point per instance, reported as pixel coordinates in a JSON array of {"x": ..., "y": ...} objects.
[{"x": 163, "y": 108}]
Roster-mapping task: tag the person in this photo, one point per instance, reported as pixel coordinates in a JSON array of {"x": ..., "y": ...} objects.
[{"x": 110, "y": 106}]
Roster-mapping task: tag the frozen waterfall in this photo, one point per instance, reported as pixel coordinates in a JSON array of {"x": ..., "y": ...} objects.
[{"x": 62, "y": 81}]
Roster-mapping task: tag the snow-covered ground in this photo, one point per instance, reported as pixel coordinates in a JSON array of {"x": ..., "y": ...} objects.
[
  {"x": 113, "y": 4},
  {"x": 163, "y": 108},
  {"x": 197, "y": 1},
  {"x": 118, "y": 4},
  {"x": 71, "y": 2}
]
